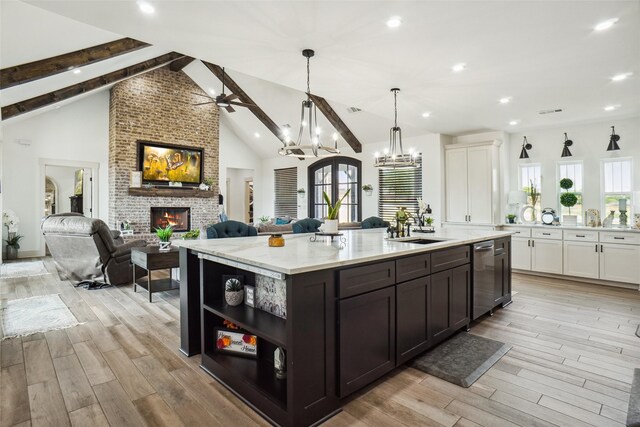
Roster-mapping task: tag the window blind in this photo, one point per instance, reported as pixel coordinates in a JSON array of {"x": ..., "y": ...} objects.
[
  {"x": 286, "y": 186},
  {"x": 399, "y": 188}
]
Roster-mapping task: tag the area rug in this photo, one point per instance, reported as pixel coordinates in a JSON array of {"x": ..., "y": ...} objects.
[
  {"x": 462, "y": 359},
  {"x": 28, "y": 316},
  {"x": 633, "y": 413},
  {"x": 22, "y": 269}
]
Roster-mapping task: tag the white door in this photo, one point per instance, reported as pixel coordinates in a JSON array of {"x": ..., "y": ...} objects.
[
  {"x": 581, "y": 259},
  {"x": 620, "y": 263},
  {"x": 479, "y": 184},
  {"x": 456, "y": 185},
  {"x": 546, "y": 256},
  {"x": 520, "y": 253}
]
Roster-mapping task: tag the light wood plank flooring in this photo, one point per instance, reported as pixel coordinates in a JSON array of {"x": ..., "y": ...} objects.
[{"x": 571, "y": 364}]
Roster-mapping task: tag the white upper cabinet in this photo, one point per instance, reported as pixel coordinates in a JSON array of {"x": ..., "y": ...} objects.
[{"x": 472, "y": 182}]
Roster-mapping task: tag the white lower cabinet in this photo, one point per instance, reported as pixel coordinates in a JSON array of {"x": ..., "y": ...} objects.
[
  {"x": 581, "y": 259},
  {"x": 521, "y": 253},
  {"x": 546, "y": 256},
  {"x": 620, "y": 263}
]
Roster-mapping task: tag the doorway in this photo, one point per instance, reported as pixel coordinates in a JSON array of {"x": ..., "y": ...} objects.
[{"x": 239, "y": 197}]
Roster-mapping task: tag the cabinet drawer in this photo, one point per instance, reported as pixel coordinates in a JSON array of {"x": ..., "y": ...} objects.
[
  {"x": 500, "y": 245},
  {"x": 620, "y": 237},
  {"x": 358, "y": 280},
  {"x": 547, "y": 234},
  {"x": 519, "y": 231},
  {"x": 580, "y": 236},
  {"x": 450, "y": 258},
  {"x": 413, "y": 267}
]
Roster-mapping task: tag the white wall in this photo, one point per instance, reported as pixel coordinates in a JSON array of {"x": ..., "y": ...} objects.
[
  {"x": 430, "y": 145},
  {"x": 64, "y": 178},
  {"x": 589, "y": 145},
  {"x": 78, "y": 131}
]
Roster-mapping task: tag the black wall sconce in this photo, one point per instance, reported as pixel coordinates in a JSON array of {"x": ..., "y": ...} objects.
[
  {"x": 567, "y": 143},
  {"x": 525, "y": 146},
  {"x": 613, "y": 140}
]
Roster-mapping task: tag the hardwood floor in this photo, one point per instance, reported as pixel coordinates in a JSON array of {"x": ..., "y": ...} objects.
[{"x": 571, "y": 364}]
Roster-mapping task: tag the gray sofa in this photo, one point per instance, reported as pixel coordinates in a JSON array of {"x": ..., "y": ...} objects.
[{"x": 87, "y": 251}]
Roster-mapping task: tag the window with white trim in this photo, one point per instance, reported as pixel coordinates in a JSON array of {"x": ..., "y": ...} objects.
[
  {"x": 530, "y": 174},
  {"x": 617, "y": 184},
  {"x": 399, "y": 188},
  {"x": 573, "y": 171}
]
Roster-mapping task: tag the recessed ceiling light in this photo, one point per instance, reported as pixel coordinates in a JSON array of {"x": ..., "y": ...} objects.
[
  {"x": 605, "y": 25},
  {"x": 146, "y": 8},
  {"x": 394, "y": 22},
  {"x": 459, "y": 67},
  {"x": 611, "y": 107},
  {"x": 505, "y": 100},
  {"x": 514, "y": 122},
  {"x": 620, "y": 77},
  {"x": 212, "y": 91},
  {"x": 77, "y": 71},
  {"x": 426, "y": 114},
  {"x": 257, "y": 135}
]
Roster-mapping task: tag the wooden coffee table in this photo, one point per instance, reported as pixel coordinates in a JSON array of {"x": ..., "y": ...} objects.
[{"x": 151, "y": 258}]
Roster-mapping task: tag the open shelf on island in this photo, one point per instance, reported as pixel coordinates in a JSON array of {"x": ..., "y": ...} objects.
[{"x": 256, "y": 321}]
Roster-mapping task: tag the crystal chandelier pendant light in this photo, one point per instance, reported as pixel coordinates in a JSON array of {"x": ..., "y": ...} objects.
[
  {"x": 393, "y": 157},
  {"x": 309, "y": 142}
]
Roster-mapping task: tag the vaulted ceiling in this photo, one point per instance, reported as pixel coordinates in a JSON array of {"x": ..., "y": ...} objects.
[{"x": 543, "y": 55}]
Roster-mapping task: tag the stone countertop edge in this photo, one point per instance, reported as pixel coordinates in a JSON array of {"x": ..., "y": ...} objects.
[
  {"x": 577, "y": 227},
  {"x": 255, "y": 251}
]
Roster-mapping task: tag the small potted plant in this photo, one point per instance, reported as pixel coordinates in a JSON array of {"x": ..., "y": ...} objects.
[
  {"x": 511, "y": 218},
  {"x": 568, "y": 200},
  {"x": 13, "y": 244},
  {"x": 191, "y": 234},
  {"x": 209, "y": 183},
  {"x": 164, "y": 235},
  {"x": 301, "y": 192},
  {"x": 264, "y": 219},
  {"x": 233, "y": 292},
  {"x": 368, "y": 189},
  {"x": 331, "y": 221}
]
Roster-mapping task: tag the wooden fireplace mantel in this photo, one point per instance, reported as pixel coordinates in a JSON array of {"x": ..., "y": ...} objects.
[{"x": 171, "y": 192}]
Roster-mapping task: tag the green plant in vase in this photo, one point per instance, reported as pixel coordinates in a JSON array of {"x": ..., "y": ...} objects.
[
  {"x": 511, "y": 218},
  {"x": 568, "y": 200},
  {"x": 13, "y": 244},
  {"x": 331, "y": 221},
  {"x": 164, "y": 235},
  {"x": 233, "y": 291}
]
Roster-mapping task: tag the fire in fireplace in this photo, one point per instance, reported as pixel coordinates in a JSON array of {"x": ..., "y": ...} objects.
[{"x": 178, "y": 218}]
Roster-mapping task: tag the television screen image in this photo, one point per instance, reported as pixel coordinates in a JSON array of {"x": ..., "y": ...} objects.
[{"x": 160, "y": 163}]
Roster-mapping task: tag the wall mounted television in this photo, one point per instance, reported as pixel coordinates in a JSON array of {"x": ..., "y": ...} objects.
[{"x": 163, "y": 163}]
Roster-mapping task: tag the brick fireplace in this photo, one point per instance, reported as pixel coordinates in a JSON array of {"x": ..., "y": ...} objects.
[
  {"x": 158, "y": 106},
  {"x": 178, "y": 218}
]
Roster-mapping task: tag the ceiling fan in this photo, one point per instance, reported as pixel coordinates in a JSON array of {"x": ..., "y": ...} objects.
[{"x": 223, "y": 100}]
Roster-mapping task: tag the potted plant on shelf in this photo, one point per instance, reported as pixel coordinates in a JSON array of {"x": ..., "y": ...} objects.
[
  {"x": 511, "y": 218},
  {"x": 331, "y": 221},
  {"x": 368, "y": 189},
  {"x": 164, "y": 235},
  {"x": 301, "y": 192},
  {"x": 568, "y": 200},
  {"x": 233, "y": 292},
  {"x": 13, "y": 244}
]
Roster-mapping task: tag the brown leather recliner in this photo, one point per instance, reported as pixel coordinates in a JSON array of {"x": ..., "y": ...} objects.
[{"x": 86, "y": 250}]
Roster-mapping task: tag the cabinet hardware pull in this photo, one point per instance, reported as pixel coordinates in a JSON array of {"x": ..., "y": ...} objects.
[
  {"x": 580, "y": 235},
  {"x": 596, "y": 248},
  {"x": 601, "y": 248},
  {"x": 619, "y": 238},
  {"x": 546, "y": 234},
  {"x": 528, "y": 243},
  {"x": 533, "y": 243}
]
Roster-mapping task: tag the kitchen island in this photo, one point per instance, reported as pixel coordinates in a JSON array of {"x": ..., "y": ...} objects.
[{"x": 344, "y": 312}]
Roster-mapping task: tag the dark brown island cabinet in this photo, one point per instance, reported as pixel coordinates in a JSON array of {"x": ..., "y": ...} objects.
[{"x": 345, "y": 327}]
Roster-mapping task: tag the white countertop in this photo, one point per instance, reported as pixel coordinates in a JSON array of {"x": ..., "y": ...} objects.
[
  {"x": 300, "y": 255},
  {"x": 579, "y": 227}
]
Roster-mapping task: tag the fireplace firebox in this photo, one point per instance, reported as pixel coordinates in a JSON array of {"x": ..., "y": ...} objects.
[{"x": 178, "y": 218}]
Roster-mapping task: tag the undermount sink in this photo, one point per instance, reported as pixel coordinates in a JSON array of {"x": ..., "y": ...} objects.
[{"x": 421, "y": 241}]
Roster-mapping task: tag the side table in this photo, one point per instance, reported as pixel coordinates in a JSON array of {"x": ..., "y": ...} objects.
[{"x": 151, "y": 258}]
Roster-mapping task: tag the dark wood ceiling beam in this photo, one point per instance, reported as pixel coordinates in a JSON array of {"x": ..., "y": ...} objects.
[
  {"x": 31, "y": 104},
  {"x": 19, "y": 74},
  {"x": 179, "y": 64},
  {"x": 337, "y": 122}
]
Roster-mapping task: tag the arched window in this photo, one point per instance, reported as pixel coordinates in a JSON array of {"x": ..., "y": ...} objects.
[{"x": 335, "y": 175}]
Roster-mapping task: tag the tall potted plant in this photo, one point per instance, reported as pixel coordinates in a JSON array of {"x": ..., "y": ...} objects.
[
  {"x": 568, "y": 200},
  {"x": 331, "y": 221}
]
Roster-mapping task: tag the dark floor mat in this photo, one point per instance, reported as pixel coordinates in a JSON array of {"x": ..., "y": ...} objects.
[{"x": 462, "y": 359}]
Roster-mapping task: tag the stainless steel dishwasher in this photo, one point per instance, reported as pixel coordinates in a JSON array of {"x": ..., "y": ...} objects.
[{"x": 484, "y": 277}]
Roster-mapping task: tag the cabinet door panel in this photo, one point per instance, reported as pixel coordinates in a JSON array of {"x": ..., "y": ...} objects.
[
  {"x": 480, "y": 179},
  {"x": 439, "y": 307},
  {"x": 546, "y": 256},
  {"x": 520, "y": 253},
  {"x": 456, "y": 185},
  {"x": 500, "y": 264},
  {"x": 620, "y": 263},
  {"x": 367, "y": 325},
  {"x": 581, "y": 259},
  {"x": 411, "y": 315},
  {"x": 459, "y": 298}
]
